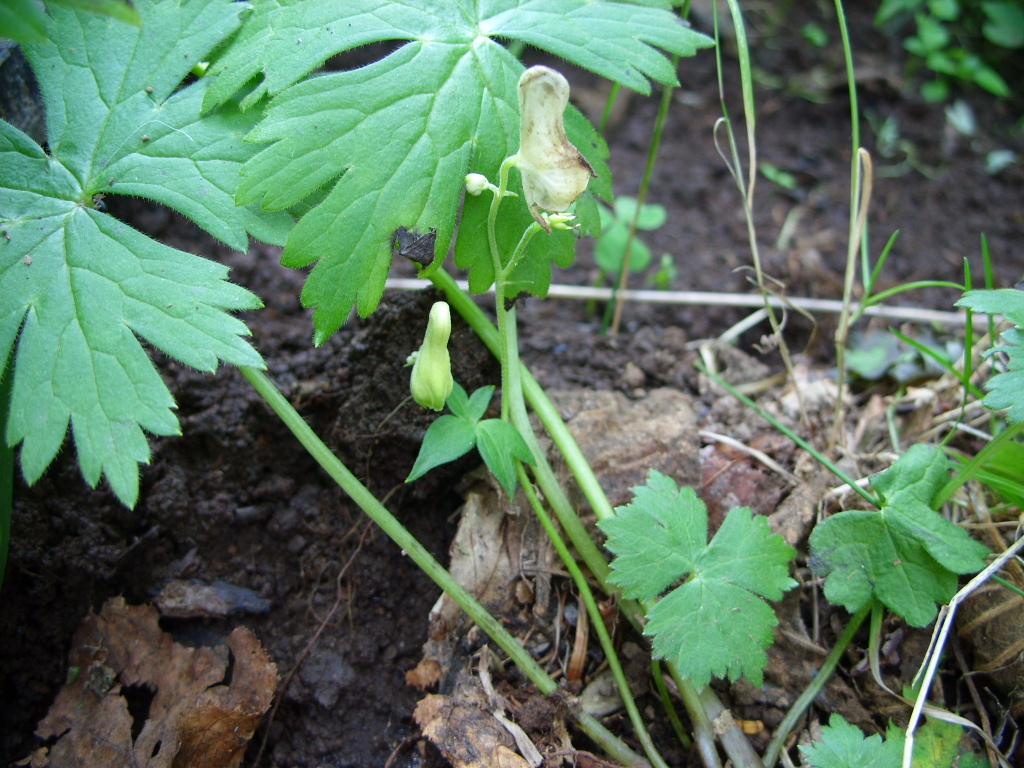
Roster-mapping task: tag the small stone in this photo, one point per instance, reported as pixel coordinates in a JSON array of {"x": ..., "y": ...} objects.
[{"x": 632, "y": 376}]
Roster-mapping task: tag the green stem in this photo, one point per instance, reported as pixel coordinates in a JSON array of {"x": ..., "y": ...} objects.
[
  {"x": 803, "y": 703},
  {"x": 426, "y": 562},
  {"x": 608, "y": 106},
  {"x": 596, "y": 619},
  {"x": 736, "y": 745},
  {"x": 536, "y": 397},
  {"x": 971, "y": 468},
  {"x": 858, "y": 214},
  {"x": 618, "y": 292},
  {"x": 703, "y": 732},
  {"x": 667, "y": 705},
  {"x": 517, "y": 254}
]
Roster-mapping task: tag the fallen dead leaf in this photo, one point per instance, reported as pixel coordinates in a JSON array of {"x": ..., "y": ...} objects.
[
  {"x": 467, "y": 736},
  {"x": 427, "y": 673},
  {"x": 194, "y": 719}
]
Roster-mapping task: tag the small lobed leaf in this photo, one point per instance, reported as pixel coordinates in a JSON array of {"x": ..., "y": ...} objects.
[
  {"x": 843, "y": 745},
  {"x": 500, "y": 444},
  {"x": 906, "y": 554},
  {"x": 1006, "y": 389},
  {"x": 657, "y": 538},
  {"x": 715, "y": 623},
  {"x": 478, "y": 402},
  {"x": 82, "y": 288},
  {"x": 447, "y": 439}
]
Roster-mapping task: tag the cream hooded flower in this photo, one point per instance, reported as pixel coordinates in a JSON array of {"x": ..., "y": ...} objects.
[
  {"x": 554, "y": 172},
  {"x": 431, "y": 381}
]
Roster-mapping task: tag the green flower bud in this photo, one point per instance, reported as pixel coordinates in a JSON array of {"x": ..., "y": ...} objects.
[
  {"x": 431, "y": 380},
  {"x": 554, "y": 172},
  {"x": 476, "y": 183}
]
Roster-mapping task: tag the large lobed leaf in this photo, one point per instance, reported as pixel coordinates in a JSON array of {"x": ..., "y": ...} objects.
[
  {"x": 906, "y": 554},
  {"x": 716, "y": 623},
  {"x": 82, "y": 287},
  {"x": 392, "y": 141}
]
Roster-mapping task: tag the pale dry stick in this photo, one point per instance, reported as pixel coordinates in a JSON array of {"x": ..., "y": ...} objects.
[
  {"x": 762, "y": 457},
  {"x": 716, "y": 300},
  {"x": 864, "y": 180},
  {"x": 938, "y": 641},
  {"x": 747, "y": 198},
  {"x": 312, "y": 641}
]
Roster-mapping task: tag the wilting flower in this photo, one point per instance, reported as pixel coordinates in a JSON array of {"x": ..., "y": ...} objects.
[
  {"x": 431, "y": 380},
  {"x": 554, "y": 172}
]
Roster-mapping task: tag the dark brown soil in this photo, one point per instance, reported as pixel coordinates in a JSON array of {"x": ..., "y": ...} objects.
[{"x": 235, "y": 499}]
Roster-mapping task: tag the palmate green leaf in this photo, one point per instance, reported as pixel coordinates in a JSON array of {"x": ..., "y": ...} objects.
[
  {"x": 82, "y": 287},
  {"x": 716, "y": 623},
  {"x": 1006, "y": 390},
  {"x": 843, "y": 745},
  {"x": 394, "y": 140},
  {"x": 906, "y": 554}
]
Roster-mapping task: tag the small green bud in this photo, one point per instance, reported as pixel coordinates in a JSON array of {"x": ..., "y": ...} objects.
[
  {"x": 560, "y": 220},
  {"x": 431, "y": 380},
  {"x": 476, "y": 183}
]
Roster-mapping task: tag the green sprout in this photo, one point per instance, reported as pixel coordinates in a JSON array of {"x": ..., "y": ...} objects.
[{"x": 610, "y": 250}]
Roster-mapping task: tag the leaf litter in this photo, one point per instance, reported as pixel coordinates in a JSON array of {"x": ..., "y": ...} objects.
[{"x": 197, "y": 713}]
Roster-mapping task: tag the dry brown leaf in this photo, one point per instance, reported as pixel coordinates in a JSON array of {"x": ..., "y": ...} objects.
[
  {"x": 190, "y": 709},
  {"x": 427, "y": 673},
  {"x": 466, "y": 735}
]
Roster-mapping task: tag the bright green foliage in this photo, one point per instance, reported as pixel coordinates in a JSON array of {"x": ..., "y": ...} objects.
[
  {"x": 391, "y": 142},
  {"x": 716, "y": 622},
  {"x": 611, "y": 245},
  {"x": 842, "y": 745},
  {"x": 906, "y": 554},
  {"x": 1003, "y": 472},
  {"x": 24, "y": 21},
  {"x": 454, "y": 435},
  {"x": 937, "y": 745},
  {"x": 1006, "y": 390},
  {"x": 950, "y": 37},
  {"x": 80, "y": 286}
]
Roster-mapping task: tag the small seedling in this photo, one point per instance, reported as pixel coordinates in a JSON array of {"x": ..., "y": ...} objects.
[
  {"x": 454, "y": 435},
  {"x": 666, "y": 274},
  {"x": 610, "y": 250},
  {"x": 948, "y": 36}
]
